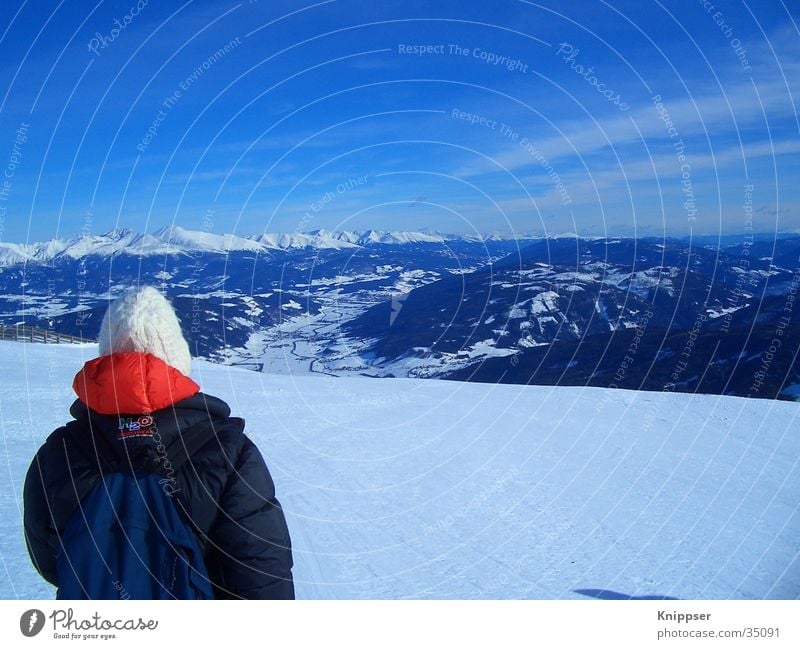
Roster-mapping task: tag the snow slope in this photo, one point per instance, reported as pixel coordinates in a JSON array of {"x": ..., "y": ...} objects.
[{"x": 396, "y": 488}]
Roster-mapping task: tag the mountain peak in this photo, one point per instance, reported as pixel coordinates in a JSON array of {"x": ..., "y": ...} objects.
[
  {"x": 176, "y": 240},
  {"x": 117, "y": 233}
]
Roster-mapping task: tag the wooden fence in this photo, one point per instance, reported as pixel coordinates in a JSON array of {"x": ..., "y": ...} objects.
[{"x": 26, "y": 333}]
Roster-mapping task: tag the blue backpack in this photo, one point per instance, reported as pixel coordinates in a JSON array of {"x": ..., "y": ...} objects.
[{"x": 127, "y": 538}]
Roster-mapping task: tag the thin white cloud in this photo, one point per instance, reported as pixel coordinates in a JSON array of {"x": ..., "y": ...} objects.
[{"x": 707, "y": 116}]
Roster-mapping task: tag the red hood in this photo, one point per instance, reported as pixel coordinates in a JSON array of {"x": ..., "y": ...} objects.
[{"x": 131, "y": 383}]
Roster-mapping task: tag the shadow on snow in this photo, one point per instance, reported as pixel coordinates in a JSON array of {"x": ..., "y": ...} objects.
[{"x": 610, "y": 594}]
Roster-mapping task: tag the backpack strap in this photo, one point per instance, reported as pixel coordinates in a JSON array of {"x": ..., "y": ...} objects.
[{"x": 95, "y": 447}]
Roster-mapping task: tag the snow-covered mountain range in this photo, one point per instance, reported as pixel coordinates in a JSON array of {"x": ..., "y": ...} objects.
[
  {"x": 632, "y": 313},
  {"x": 650, "y": 313},
  {"x": 175, "y": 240}
]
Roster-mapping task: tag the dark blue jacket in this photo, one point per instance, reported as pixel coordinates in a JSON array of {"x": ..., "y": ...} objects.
[{"x": 225, "y": 490}]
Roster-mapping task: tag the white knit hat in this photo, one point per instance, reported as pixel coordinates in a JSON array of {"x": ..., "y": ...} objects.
[{"x": 143, "y": 320}]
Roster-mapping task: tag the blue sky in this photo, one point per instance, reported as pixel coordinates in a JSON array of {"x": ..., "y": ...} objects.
[{"x": 597, "y": 117}]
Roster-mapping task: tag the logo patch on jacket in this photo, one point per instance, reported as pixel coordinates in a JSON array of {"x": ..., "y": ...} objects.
[{"x": 135, "y": 427}]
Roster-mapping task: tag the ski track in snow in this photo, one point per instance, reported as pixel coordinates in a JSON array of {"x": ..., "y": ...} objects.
[{"x": 401, "y": 488}]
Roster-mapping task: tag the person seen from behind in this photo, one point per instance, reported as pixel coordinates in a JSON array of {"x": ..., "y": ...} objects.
[{"x": 153, "y": 491}]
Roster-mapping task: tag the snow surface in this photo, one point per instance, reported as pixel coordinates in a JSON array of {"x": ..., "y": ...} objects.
[{"x": 402, "y": 488}]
